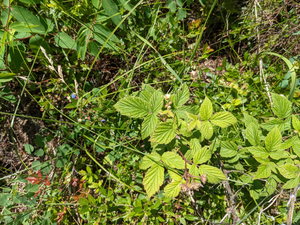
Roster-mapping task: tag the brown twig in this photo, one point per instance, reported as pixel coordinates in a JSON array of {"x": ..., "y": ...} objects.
[{"x": 232, "y": 196}]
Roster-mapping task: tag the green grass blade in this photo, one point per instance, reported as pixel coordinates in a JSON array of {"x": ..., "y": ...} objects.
[
  {"x": 291, "y": 68},
  {"x": 161, "y": 58}
]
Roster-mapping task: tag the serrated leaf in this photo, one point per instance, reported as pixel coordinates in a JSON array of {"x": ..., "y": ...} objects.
[
  {"x": 281, "y": 124},
  {"x": 184, "y": 129},
  {"x": 195, "y": 144},
  {"x": 149, "y": 160},
  {"x": 288, "y": 170},
  {"x": 223, "y": 119},
  {"x": 133, "y": 107},
  {"x": 28, "y": 148},
  {"x": 189, "y": 155},
  {"x": 174, "y": 176},
  {"x": 164, "y": 133},
  {"x": 171, "y": 5},
  {"x": 263, "y": 171},
  {"x": 156, "y": 102},
  {"x": 282, "y": 107},
  {"x": 145, "y": 95},
  {"x": 182, "y": 111},
  {"x": 153, "y": 179},
  {"x": 273, "y": 140},
  {"x": 181, "y": 14},
  {"x": 173, "y": 160},
  {"x": 202, "y": 155},
  {"x": 258, "y": 151},
  {"x": 182, "y": 96},
  {"x": 228, "y": 149},
  {"x": 148, "y": 125},
  {"x": 172, "y": 189},
  {"x": 252, "y": 134},
  {"x": 206, "y": 109},
  {"x": 194, "y": 171},
  {"x": 291, "y": 183},
  {"x": 193, "y": 124},
  {"x": 271, "y": 185},
  {"x": 214, "y": 175},
  {"x": 280, "y": 154},
  {"x": 296, "y": 147},
  {"x": 249, "y": 119},
  {"x": 296, "y": 123},
  {"x": 206, "y": 129}
]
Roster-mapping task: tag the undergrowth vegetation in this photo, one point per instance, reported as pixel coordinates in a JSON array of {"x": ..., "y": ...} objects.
[{"x": 149, "y": 112}]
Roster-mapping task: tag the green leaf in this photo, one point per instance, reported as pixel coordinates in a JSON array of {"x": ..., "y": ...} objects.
[
  {"x": 173, "y": 160},
  {"x": 164, "y": 133},
  {"x": 291, "y": 183},
  {"x": 273, "y": 140},
  {"x": 83, "y": 201},
  {"x": 249, "y": 119},
  {"x": 156, "y": 102},
  {"x": 174, "y": 176},
  {"x": 39, "y": 152},
  {"x": 214, "y": 175},
  {"x": 263, "y": 171},
  {"x": 25, "y": 16},
  {"x": 182, "y": 96},
  {"x": 281, "y": 124},
  {"x": 145, "y": 95},
  {"x": 193, "y": 124},
  {"x": 206, "y": 129},
  {"x": 28, "y": 148},
  {"x": 132, "y": 107},
  {"x": 65, "y": 41},
  {"x": 288, "y": 170},
  {"x": 202, "y": 155},
  {"x": 296, "y": 147},
  {"x": 223, "y": 119},
  {"x": 34, "y": 188},
  {"x": 172, "y": 189},
  {"x": 228, "y": 149},
  {"x": 280, "y": 154},
  {"x": 252, "y": 134},
  {"x": 296, "y": 123},
  {"x": 195, "y": 144},
  {"x": 148, "y": 125},
  {"x": 258, "y": 151},
  {"x": 36, "y": 41},
  {"x": 206, "y": 109},
  {"x": 282, "y": 107},
  {"x": 127, "y": 6},
  {"x": 149, "y": 160},
  {"x": 191, "y": 217},
  {"x": 5, "y": 77},
  {"x": 100, "y": 33},
  {"x": 171, "y": 4},
  {"x": 4, "y": 199},
  {"x": 153, "y": 179},
  {"x": 271, "y": 185},
  {"x": 181, "y": 14},
  {"x": 40, "y": 140},
  {"x": 194, "y": 171},
  {"x": 89, "y": 170},
  {"x": 112, "y": 11},
  {"x": 16, "y": 55}
]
